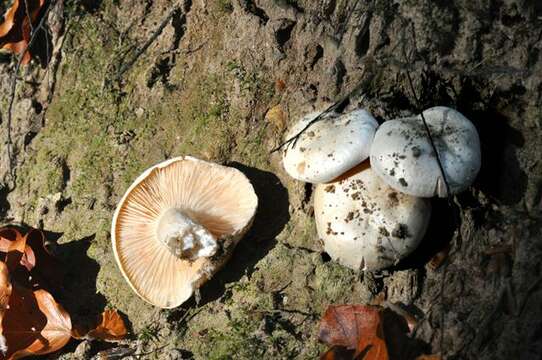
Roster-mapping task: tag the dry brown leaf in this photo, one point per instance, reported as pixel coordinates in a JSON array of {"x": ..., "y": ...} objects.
[
  {"x": 438, "y": 259},
  {"x": 31, "y": 321},
  {"x": 39, "y": 268},
  {"x": 370, "y": 332},
  {"x": 35, "y": 324},
  {"x": 109, "y": 327},
  {"x": 15, "y": 31},
  {"x": 8, "y": 19},
  {"x": 280, "y": 85},
  {"x": 13, "y": 245},
  {"x": 338, "y": 353},
  {"x": 277, "y": 117},
  {"x": 355, "y": 327},
  {"x": 5, "y": 294},
  {"x": 44, "y": 268},
  {"x": 429, "y": 357}
]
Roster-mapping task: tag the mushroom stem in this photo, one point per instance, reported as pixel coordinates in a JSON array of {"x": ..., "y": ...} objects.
[{"x": 184, "y": 237}]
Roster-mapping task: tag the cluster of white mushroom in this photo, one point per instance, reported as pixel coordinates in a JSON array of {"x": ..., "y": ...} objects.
[
  {"x": 372, "y": 216},
  {"x": 180, "y": 220}
]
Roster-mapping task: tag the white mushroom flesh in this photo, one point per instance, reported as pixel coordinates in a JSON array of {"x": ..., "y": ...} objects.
[
  {"x": 184, "y": 237},
  {"x": 365, "y": 224},
  {"x": 329, "y": 147}
]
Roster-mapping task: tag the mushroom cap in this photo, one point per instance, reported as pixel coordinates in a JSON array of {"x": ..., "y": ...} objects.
[
  {"x": 329, "y": 147},
  {"x": 220, "y": 198},
  {"x": 402, "y": 154},
  {"x": 364, "y": 223}
]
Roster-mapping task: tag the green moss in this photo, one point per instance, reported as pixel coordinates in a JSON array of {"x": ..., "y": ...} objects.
[
  {"x": 252, "y": 81},
  {"x": 334, "y": 283},
  {"x": 224, "y": 6},
  {"x": 239, "y": 342}
]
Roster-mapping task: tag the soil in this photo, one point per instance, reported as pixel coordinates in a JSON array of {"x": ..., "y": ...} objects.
[{"x": 81, "y": 134}]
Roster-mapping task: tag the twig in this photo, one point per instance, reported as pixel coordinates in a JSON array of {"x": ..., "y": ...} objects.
[
  {"x": 293, "y": 140},
  {"x": 185, "y": 51},
  {"x": 149, "y": 41},
  {"x": 27, "y": 10},
  {"x": 13, "y": 89},
  {"x": 160, "y": 348},
  {"x": 428, "y": 132}
]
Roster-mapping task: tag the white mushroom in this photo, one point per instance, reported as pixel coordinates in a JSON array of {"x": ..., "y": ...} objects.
[
  {"x": 364, "y": 223},
  {"x": 402, "y": 154},
  {"x": 177, "y": 225},
  {"x": 329, "y": 147}
]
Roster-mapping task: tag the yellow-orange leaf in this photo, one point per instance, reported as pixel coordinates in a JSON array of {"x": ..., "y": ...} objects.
[
  {"x": 15, "y": 31},
  {"x": 277, "y": 116},
  {"x": 110, "y": 327}
]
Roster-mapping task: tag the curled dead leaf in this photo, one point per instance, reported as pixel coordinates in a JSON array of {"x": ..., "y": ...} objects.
[
  {"x": 338, "y": 353},
  {"x": 277, "y": 117},
  {"x": 35, "y": 324},
  {"x": 31, "y": 321},
  {"x": 370, "y": 332},
  {"x": 15, "y": 31},
  {"x": 343, "y": 324},
  {"x": 39, "y": 267},
  {"x": 110, "y": 326},
  {"x": 9, "y": 17},
  {"x": 5, "y": 294}
]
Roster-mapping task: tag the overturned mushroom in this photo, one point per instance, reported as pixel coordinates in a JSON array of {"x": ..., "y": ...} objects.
[
  {"x": 329, "y": 147},
  {"x": 403, "y": 156},
  {"x": 364, "y": 223},
  {"x": 177, "y": 225}
]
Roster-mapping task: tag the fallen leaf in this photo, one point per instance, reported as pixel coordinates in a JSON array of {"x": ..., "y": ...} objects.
[
  {"x": 438, "y": 259},
  {"x": 370, "y": 332},
  {"x": 31, "y": 321},
  {"x": 342, "y": 324},
  {"x": 15, "y": 31},
  {"x": 280, "y": 85},
  {"x": 109, "y": 327},
  {"x": 338, "y": 353},
  {"x": 39, "y": 267},
  {"x": 35, "y": 324},
  {"x": 15, "y": 245},
  {"x": 5, "y": 294},
  {"x": 277, "y": 117},
  {"x": 429, "y": 357},
  {"x": 8, "y": 19},
  {"x": 44, "y": 268}
]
